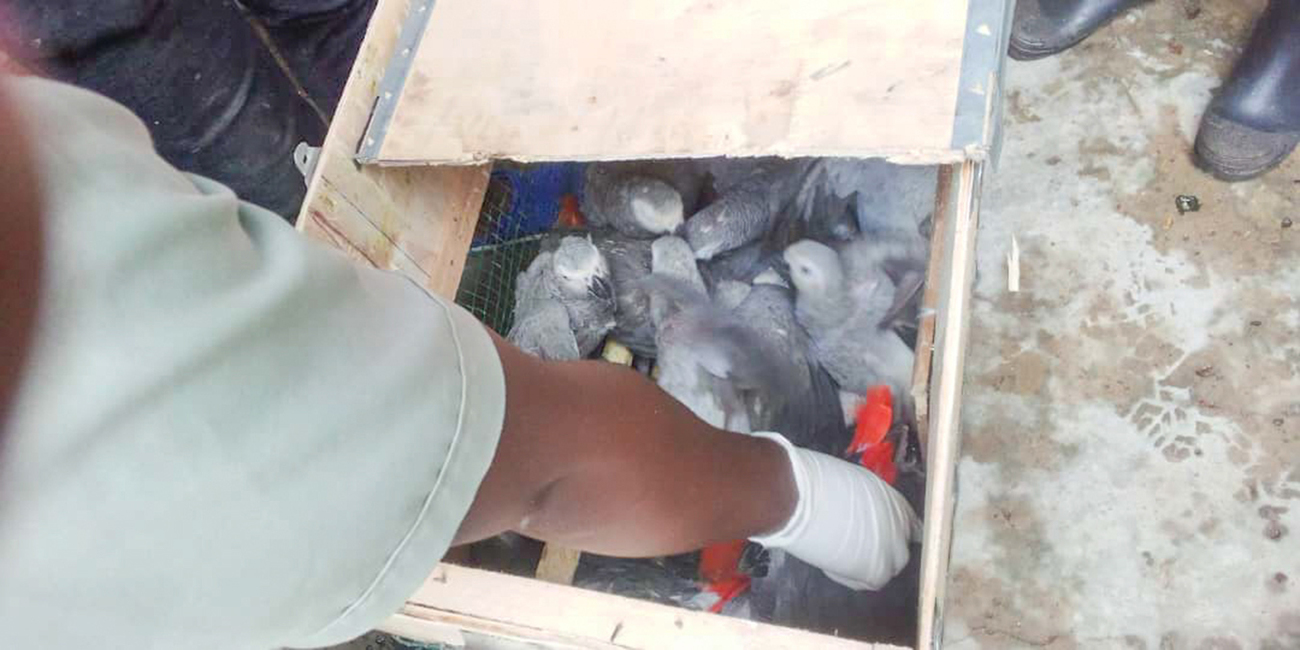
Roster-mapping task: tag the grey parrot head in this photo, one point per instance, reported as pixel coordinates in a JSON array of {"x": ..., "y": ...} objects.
[
  {"x": 814, "y": 267},
  {"x": 581, "y": 269},
  {"x": 656, "y": 205}
]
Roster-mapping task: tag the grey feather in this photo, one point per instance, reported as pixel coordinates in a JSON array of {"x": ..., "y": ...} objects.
[
  {"x": 572, "y": 278},
  {"x": 854, "y": 200},
  {"x": 796, "y": 594},
  {"x": 709, "y": 360},
  {"x": 883, "y": 198},
  {"x": 641, "y": 198},
  {"x": 747, "y": 208},
  {"x": 841, "y": 300},
  {"x": 667, "y": 580},
  {"x": 541, "y": 323},
  {"x": 739, "y": 265},
  {"x": 672, "y": 257},
  {"x": 629, "y": 264},
  {"x": 728, "y": 294},
  {"x": 808, "y": 412},
  {"x": 580, "y": 279}
]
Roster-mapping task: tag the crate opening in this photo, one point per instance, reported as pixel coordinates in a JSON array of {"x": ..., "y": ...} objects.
[{"x": 838, "y": 203}]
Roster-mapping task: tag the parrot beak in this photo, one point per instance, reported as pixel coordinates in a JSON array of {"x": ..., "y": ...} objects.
[
  {"x": 782, "y": 268},
  {"x": 600, "y": 287}
]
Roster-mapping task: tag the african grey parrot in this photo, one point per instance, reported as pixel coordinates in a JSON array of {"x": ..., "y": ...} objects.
[
  {"x": 709, "y": 360},
  {"x": 810, "y": 409},
  {"x": 748, "y": 206},
  {"x": 844, "y": 299},
  {"x": 541, "y": 324},
  {"x": 629, "y": 265},
  {"x": 850, "y": 199},
  {"x": 640, "y": 198},
  {"x": 792, "y": 592},
  {"x": 576, "y": 277}
]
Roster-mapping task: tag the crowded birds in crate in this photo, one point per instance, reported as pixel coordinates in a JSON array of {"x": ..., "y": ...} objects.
[{"x": 767, "y": 295}]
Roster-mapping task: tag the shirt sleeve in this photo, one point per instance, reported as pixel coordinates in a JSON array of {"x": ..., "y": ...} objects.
[{"x": 227, "y": 436}]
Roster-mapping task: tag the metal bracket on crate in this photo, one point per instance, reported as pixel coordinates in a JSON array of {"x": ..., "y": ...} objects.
[
  {"x": 978, "y": 119},
  {"x": 390, "y": 86}
]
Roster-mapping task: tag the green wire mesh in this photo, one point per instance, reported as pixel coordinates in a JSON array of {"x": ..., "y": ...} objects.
[{"x": 502, "y": 249}]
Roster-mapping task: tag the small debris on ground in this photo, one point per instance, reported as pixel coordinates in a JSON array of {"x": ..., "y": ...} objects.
[
  {"x": 1205, "y": 371},
  {"x": 1287, "y": 222},
  {"x": 1274, "y": 530},
  {"x": 1187, "y": 203},
  {"x": 1013, "y": 266},
  {"x": 1256, "y": 323},
  {"x": 1277, "y": 422}
]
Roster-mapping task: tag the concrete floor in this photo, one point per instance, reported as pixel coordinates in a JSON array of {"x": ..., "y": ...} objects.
[{"x": 1130, "y": 475}]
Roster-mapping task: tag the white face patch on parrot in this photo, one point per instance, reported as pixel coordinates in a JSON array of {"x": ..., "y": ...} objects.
[
  {"x": 811, "y": 265},
  {"x": 657, "y": 207},
  {"x": 577, "y": 264}
]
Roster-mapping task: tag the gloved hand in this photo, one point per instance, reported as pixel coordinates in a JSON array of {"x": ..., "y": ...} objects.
[{"x": 847, "y": 522}]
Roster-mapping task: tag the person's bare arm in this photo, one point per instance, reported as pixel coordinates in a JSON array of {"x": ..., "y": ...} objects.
[
  {"x": 20, "y": 250},
  {"x": 596, "y": 457}
]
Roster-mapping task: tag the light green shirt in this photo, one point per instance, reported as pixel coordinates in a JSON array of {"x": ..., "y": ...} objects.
[{"x": 227, "y": 436}]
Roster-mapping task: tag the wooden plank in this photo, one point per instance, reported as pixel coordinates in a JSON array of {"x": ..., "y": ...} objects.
[
  {"x": 412, "y": 627},
  {"x": 579, "y": 80},
  {"x": 922, "y": 371},
  {"x": 946, "y": 439},
  {"x": 558, "y": 564},
  {"x": 556, "y": 616},
  {"x": 415, "y": 221}
]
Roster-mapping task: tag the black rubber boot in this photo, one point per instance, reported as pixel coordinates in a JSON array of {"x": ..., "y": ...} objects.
[
  {"x": 215, "y": 101},
  {"x": 1253, "y": 124},
  {"x": 319, "y": 40},
  {"x": 1045, "y": 27}
]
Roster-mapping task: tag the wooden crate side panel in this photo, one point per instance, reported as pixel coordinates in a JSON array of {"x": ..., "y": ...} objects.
[
  {"x": 945, "y": 399},
  {"x": 578, "y": 80},
  {"x": 558, "y": 616},
  {"x": 922, "y": 371},
  {"x": 417, "y": 221}
]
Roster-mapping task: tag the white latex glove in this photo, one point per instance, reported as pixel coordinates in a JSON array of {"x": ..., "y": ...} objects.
[{"x": 848, "y": 522}]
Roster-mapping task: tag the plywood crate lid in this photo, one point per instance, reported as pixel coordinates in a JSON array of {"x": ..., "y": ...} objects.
[{"x": 474, "y": 80}]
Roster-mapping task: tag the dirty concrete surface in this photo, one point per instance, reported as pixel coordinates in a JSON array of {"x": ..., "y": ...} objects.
[{"x": 1130, "y": 471}]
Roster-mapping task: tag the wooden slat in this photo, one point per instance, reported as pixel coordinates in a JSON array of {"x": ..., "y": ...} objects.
[
  {"x": 581, "y": 80},
  {"x": 922, "y": 371},
  {"x": 558, "y": 564},
  {"x": 411, "y": 627},
  {"x": 558, "y": 616},
  {"x": 415, "y": 221},
  {"x": 945, "y": 441}
]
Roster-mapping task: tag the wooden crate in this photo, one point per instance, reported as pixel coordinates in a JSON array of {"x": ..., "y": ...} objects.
[{"x": 922, "y": 74}]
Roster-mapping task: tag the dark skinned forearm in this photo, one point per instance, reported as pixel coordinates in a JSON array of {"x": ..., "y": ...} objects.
[{"x": 595, "y": 457}]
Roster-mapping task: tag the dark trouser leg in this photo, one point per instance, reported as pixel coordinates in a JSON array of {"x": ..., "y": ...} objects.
[
  {"x": 1253, "y": 124},
  {"x": 212, "y": 96},
  {"x": 318, "y": 38}
]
